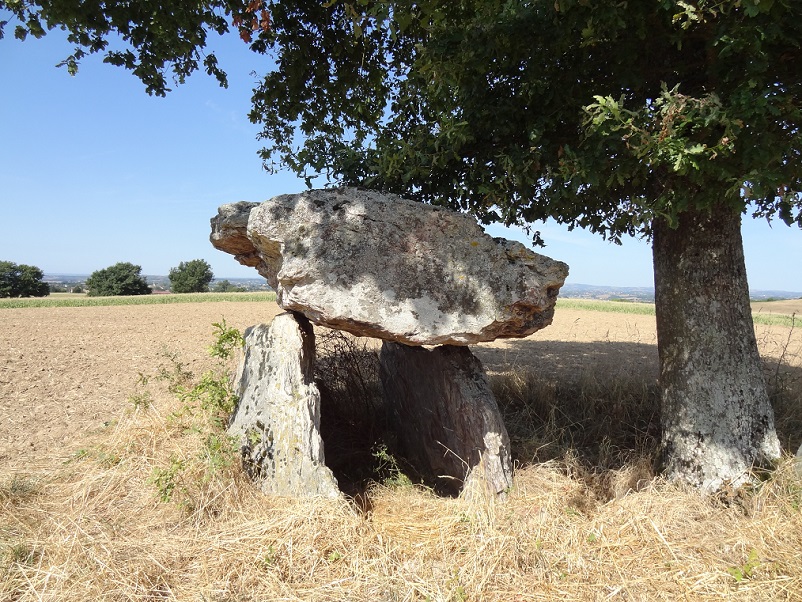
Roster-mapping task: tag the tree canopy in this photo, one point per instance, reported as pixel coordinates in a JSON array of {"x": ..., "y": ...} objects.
[
  {"x": 21, "y": 281},
  {"x": 120, "y": 279},
  {"x": 146, "y": 37},
  {"x": 191, "y": 277},
  {"x": 603, "y": 115}
]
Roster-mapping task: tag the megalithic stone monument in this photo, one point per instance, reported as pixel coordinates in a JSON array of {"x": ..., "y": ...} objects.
[
  {"x": 385, "y": 267},
  {"x": 412, "y": 274}
]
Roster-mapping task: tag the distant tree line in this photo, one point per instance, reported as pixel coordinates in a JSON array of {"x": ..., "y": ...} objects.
[
  {"x": 224, "y": 286},
  {"x": 123, "y": 278},
  {"x": 20, "y": 280}
]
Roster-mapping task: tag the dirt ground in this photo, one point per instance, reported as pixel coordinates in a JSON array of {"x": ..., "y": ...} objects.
[
  {"x": 66, "y": 373},
  {"x": 788, "y": 307}
]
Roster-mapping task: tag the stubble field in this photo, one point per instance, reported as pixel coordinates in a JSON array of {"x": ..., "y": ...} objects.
[{"x": 87, "y": 427}]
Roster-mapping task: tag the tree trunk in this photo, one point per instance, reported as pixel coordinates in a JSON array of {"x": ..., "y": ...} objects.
[{"x": 716, "y": 417}]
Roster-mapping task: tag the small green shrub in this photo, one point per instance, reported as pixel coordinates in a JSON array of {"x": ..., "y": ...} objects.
[
  {"x": 205, "y": 408},
  {"x": 387, "y": 465},
  {"x": 166, "y": 480},
  {"x": 227, "y": 341},
  {"x": 211, "y": 393},
  {"x": 220, "y": 450},
  {"x": 141, "y": 401},
  {"x": 174, "y": 373},
  {"x": 745, "y": 571}
]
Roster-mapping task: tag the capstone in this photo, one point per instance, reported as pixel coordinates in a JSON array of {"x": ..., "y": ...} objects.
[{"x": 381, "y": 266}]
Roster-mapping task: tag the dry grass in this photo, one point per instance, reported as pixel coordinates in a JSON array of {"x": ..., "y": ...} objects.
[
  {"x": 587, "y": 520},
  {"x": 97, "y": 530}
]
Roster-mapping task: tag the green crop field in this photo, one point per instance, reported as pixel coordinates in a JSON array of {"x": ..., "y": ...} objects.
[
  {"x": 647, "y": 309},
  {"x": 83, "y": 301},
  {"x": 616, "y": 307}
]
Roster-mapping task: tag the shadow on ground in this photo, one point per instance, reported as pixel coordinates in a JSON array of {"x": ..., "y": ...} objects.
[{"x": 591, "y": 407}]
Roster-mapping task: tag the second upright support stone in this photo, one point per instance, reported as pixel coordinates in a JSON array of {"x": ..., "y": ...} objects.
[{"x": 446, "y": 417}]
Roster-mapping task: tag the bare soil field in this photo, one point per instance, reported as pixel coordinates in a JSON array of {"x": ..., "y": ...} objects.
[
  {"x": 69, "y": 372},
  {"x": 105, "y": 498}
]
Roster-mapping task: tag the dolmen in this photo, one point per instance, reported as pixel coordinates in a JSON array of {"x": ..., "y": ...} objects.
[{"x": 426, "y": 280}]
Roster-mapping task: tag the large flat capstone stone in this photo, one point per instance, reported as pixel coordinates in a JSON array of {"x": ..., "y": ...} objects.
[{"x": 381, "y": 266}]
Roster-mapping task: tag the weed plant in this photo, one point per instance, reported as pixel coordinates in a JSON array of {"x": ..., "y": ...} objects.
[{"x": 198, "y": 423}]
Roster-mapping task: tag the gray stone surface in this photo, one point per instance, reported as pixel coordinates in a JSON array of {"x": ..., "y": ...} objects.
[
  {"x": 446, "y": 418},
  {"x": 277, "y": 418},
  {"x": 381, "y": 266},
  {"x": 230, "y": 227}
]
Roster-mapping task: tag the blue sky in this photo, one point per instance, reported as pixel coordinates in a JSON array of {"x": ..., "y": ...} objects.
[{"x": 94, "y": 171}]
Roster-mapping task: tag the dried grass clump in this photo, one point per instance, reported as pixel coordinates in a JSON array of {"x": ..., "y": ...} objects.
[
  {"x": 157, "y": 508},
  {"x": 602, "y": 429}
]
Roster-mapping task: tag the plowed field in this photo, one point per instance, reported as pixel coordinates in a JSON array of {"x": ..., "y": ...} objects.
[{"x": 66, "y": 373}]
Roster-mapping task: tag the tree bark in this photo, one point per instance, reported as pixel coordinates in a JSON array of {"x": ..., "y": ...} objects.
[{"x": 716, "y": 417}]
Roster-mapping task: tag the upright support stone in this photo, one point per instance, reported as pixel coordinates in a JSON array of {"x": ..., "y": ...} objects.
[
  {"x": 447, "y": 419},
  {"x": 278, "y": 416}
]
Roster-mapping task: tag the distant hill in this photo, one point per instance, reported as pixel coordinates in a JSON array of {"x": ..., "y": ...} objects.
[
  {"x": 609, "y": 293},
  {"x": 646, "y": 294},
  {"x": 641, "y": 294}
]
